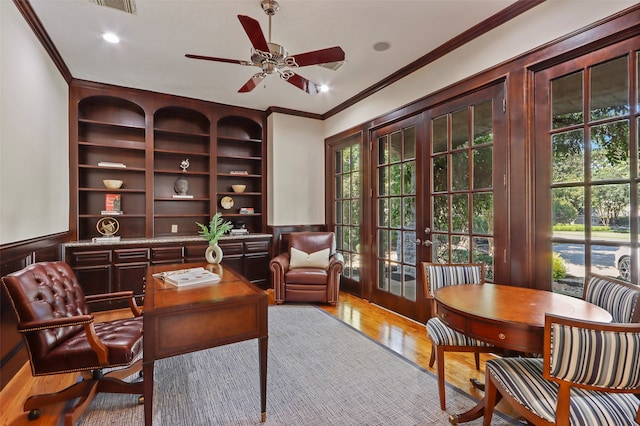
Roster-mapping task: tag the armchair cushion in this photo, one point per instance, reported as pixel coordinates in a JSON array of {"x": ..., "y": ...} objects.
[{"x": 318, "y": 259}]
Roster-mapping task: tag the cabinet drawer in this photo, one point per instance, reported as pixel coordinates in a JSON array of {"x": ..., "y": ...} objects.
[
  {"x": 130, "y": 255},
  {"x": 231, "y": 248},
  {"x": 451, "y": 318},
  {"x": 256, "y": 246},
  {"x": 195, "y": 251},
  {"x": 87, "y": 258},
  {"x": 159, "y": 254}
]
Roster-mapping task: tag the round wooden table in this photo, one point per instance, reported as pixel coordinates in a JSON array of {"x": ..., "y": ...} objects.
[{"x": 507, "y": 317}]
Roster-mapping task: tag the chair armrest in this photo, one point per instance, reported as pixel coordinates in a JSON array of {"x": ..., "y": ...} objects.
[
  {"x": 281, "y": 261},
  {"x": 279, "y": 265},
  {"x": 84, "y": 320},
  {"x": 27, "y": 327},
  {"x": 135, "y": 309},
  {"x": 337, "y": 258}
]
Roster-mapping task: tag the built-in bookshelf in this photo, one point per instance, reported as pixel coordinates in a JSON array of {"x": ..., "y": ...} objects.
[{"x": 149, "y": 141}]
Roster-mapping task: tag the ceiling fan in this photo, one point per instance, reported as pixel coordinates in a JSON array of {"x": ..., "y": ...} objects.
[{"x": 273, "y": 58}]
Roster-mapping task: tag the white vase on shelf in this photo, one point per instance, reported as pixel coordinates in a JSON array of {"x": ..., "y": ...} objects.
[{"x": 213, "y": 254}]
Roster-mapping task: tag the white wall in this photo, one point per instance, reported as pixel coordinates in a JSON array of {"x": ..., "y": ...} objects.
[
  {"x": 542, "y": 24},
  {"x": 34, "y": 135},
  {"x": 295, "y": 170}
]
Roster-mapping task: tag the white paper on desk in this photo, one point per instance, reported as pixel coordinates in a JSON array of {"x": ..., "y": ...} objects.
[{"x": 186, "y": 277}]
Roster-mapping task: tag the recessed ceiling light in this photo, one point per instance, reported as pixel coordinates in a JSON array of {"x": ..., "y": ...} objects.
[
  {"x": 111, "y": 38},
  {"x": 324, "y": 88},
  {"x": 381, "y": 46}
]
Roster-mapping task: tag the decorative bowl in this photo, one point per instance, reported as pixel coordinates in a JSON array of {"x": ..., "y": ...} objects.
[
  {"x": 112, "y": 183},
  {"x": 238, "y": 188}
]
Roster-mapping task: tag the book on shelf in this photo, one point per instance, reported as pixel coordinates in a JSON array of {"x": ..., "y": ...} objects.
[
  {"x": 110, "y": 213},
  {"x": 110, "y": 164},
  {"x": 243, "y": 231},
  {"x": 112, "y": 204},
  {"x": 247, "y": 210},
  {"x": 238, "y": 172},
  {"x": 182, "y": 196},
  {"x": 187, "y": 277},
  {"x": 106, "y": 240}
]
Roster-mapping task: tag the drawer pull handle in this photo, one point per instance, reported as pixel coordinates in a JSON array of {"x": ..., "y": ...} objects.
[{"x": 502, "y": 336}]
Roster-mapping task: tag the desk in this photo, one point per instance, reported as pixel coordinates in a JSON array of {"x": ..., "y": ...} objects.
[
  {"x": 181, "y": 320},
  {"x": 507, "y": 317}
]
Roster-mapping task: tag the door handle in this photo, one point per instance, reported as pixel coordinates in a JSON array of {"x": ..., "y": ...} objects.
[{"x": 425, "y": 243}]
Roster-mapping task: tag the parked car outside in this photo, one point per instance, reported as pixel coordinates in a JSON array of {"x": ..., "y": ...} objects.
[{"x": 623, "y": 262}]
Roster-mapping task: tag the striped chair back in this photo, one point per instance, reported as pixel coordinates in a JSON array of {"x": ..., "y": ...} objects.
[
  {"x": 438, "y": 275},
  {"x": 592, "y": 355},
  {"x": 619, "y": 298}
]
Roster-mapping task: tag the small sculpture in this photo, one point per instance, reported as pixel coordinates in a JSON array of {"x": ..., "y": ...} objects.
[
  {"x": 181, "y": 186},
  {"x": 184, "y": 165}
]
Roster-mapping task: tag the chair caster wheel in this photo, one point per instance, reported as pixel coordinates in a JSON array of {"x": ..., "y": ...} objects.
[
  {"x": 141, "y": 400},
  {"x": 34, "y": 414}
]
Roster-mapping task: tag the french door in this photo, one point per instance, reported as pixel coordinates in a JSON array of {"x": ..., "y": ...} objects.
[
  {"x": 397, "y": 215},
  {"x": 437, "y": 180}
]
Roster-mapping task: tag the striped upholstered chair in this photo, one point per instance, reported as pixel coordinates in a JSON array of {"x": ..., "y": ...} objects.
[
  {"x": 443, "y": 338},
  {"x": 591, "y": 369},
  {"x": 621, "y": 299}
]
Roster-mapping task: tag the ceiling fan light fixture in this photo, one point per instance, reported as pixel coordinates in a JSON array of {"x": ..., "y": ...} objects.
[
  {"x": 270, "y": 7},
  {"x": 324, "y": 88}
]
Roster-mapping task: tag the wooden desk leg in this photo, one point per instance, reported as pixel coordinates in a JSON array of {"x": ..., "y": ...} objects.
[
  {"x": 262, "y": 342},
  {"x": 147, "y": 373}
]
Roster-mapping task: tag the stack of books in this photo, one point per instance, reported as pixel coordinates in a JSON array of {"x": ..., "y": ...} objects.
[{"x": 187, "y": 277}]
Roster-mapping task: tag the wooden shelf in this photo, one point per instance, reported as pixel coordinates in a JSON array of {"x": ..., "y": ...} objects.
[{"x": 117, "y": 126}]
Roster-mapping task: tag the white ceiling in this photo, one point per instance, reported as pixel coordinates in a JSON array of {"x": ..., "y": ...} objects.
[{"x": 150, "y": 55}]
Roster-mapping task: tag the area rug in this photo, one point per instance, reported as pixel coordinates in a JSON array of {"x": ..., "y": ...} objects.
[{"x": 321, "y": 371}]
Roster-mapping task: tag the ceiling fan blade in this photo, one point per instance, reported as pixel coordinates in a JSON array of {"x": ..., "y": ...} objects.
[
  {"x": 252, "y": 83},
  {"x": 304, "y": 84},
  {"x": 322, "y": 56},
  {"x": 211, "y": 58},
  {"x": 253, "y": 30}
]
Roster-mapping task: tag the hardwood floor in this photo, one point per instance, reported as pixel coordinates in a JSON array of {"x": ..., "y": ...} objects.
[{"x": 404, "y": 336}]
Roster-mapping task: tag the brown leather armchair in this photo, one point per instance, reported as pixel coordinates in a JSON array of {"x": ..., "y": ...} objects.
[
  {"x": 61, "y": 336},
  {"x": 309, "y": 271}
]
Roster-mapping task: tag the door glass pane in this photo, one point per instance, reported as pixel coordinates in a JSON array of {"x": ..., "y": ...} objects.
[
  {"x": 346, "y": 160},
  {"x": 483, "y": 252},
  {"x": 610, "y": 150},
  {"x": 383, "y": 275},
  {"x": 483, "y": 123},
  {"x": 439, "y": 171},
  {"x": 460, "y": 171},
  {"x": 440, "y": 213},
  {"x": 409, "y": 178},
  {"x": 482, "y": 168},
  {"x": 569, "y": 268},
  {"x": 483, "y": 213},
  {"x": 338, "y": 161},
  {"x": 441, "y": 248},
  {"x": 610, "y": 89},
  {"x": 566, "y": 101},
  {"x": 383, "y": 180},
  {"x": 568, "y": 156},
  {"x": 383, "y": 150},
  {"x": 460, "y": 129},
  {"x": 409, "y": 150},
  {"x": 439, "y": 134},
  {"x": 460, "y": 213},
  {"x": 395, "y": 179},
  {"x": 609, "y": 203},
  {"x": 395, "y": 150}
]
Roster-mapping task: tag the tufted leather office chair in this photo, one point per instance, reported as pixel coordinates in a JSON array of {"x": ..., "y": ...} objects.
[
  {"x": 61, "y": 336},
  {"x": 319, "y": 280}
]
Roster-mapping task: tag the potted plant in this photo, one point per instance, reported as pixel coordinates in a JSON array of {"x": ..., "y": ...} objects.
[{"x": 212, "y": 233}]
